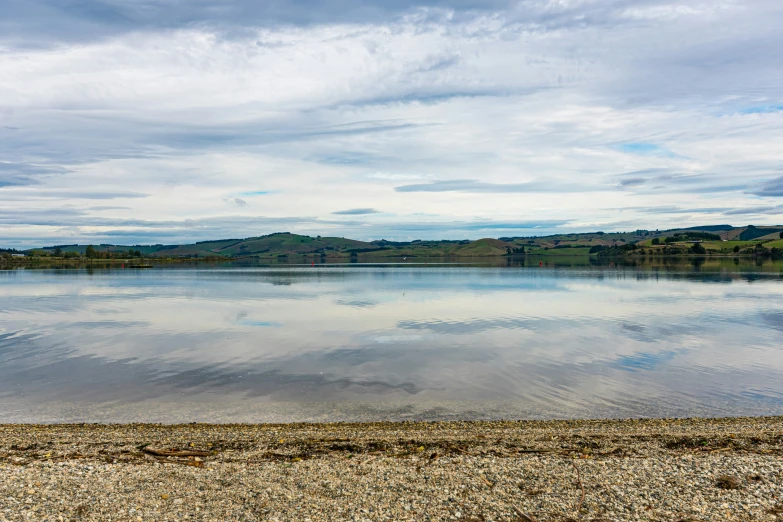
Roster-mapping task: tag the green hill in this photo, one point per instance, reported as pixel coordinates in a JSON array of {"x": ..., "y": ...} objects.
[{"x": 718, "y": 239}]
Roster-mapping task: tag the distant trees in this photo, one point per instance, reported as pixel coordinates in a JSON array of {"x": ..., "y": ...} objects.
[
  {"x": 656, "y": 241},
  {"x": 736, "y": 249},
  {"x": 751, "y": 233},
  {"x": 615, "y": 250},
  {"x": 698, "y": 248},
  {"x": 90, "y": 252},
  {"x": 781, "y": 235},
  {"x": 58, "y": 252}
]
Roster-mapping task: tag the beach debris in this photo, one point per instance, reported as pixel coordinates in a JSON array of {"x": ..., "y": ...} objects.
[
  {"x": 524, "y": 517},
  {"x": 581, "y": 486},
  {"x": 487, "y": 482},
  {"x": 728, "y": 482},
  {"x": 174, "y": 452},
  {"x": 81, "y": 510}
]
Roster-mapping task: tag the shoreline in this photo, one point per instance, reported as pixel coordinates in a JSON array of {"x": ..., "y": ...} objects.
[{"x": 634, "y": 469}]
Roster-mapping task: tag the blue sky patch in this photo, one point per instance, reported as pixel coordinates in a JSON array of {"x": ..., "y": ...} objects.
[
  {"x": 254, "y": 193},
  {"x": 767, "y": 109},
  {"x": 642, "y": 148}
]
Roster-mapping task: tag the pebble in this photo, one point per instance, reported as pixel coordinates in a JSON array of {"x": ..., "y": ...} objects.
[{"x": 647, "y": 470}]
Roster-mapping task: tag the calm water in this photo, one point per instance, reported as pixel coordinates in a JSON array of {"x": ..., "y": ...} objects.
[{"x": 292, "y": 343}]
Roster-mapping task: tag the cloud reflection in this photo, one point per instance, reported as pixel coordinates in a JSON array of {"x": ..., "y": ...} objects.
[{"x": 547, "y": 342}]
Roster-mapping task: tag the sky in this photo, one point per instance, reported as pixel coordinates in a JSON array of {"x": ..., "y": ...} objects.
[{"x": 170, "y": 121}]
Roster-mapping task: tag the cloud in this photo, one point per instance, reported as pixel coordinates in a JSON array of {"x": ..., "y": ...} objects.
[
  {"x": 357, "y": 212},
  {"x": 35, "y": 22},
  {"x": 771, "y": 188},
  {"x": 91, "y": 19},
  {"x": 632, "y": 182},
  {"x": 69, "y": 194},
  {"x": 485, "y": 228},
  {"x": 754, "y": 210},
  {"x": 67, "y": 217},
  {"x": 772, "y": 210},
  {"x": 20, "y": 174},
  {"x": 675, "y": 210},
  {"x": 56, "y": 225},
  {"x": 478, "y": 187},
  {"x": 395, "y": 176},
  {"x": 236, "y": 201},
  {"x": 669, "y": 180},
  {"x": 169, "y": 106}
]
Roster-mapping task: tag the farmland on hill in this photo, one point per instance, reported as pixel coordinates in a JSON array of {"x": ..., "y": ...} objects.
[{"x": 715, "y": 239}]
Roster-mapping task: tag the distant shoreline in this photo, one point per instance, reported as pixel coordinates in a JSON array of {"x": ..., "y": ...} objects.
[
  {"x": 717, "y": 240},
  {"x": 149, "y": 262}
]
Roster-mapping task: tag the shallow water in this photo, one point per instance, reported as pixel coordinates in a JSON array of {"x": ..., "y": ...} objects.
[{"x": 360, "y": 342}]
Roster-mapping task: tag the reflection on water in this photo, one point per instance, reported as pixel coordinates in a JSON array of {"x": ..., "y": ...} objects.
[{"x": 254, "y": 343}]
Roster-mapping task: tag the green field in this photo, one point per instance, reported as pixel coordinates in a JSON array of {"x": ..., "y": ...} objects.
[{"x": 720, "y": 245}]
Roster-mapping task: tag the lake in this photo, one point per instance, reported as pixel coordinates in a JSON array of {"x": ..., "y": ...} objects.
[{"x": 499, "y": 340}]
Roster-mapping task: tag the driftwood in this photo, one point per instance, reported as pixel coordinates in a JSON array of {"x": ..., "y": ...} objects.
[
  {"x": 524, "y": 517},
  {"x": 581, "y": 486},
  {"x": 176, "y": 453}
]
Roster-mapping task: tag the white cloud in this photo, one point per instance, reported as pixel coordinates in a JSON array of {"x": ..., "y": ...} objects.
[{"x": 312, "y": 119}]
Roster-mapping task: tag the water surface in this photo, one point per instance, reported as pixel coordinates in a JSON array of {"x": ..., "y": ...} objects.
[{"x": 358, "y": 342}]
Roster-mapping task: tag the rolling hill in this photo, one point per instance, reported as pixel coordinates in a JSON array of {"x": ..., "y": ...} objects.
[{"x": 288, "y": 245}]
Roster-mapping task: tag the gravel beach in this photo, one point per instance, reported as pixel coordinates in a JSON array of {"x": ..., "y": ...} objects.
[{"x": 670, "y": 469}]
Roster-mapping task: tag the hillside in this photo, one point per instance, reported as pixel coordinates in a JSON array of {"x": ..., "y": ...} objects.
[{"x": 719, "y": 239}]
